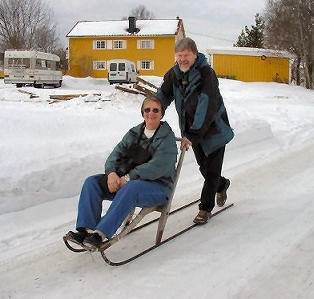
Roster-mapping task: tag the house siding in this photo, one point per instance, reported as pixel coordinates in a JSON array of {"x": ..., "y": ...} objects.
[{"x": 252, "y": 68}]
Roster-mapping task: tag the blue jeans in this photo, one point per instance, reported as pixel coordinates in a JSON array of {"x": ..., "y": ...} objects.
[{"x": 136, "y": 193}]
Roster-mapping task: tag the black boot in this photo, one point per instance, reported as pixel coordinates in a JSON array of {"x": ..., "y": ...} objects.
[
  {"x": 77, "y": 237},
  {"x": 93, "y": 241}
]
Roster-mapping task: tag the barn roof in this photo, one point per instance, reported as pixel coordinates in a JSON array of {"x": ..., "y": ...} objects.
[{"x": 243, "y": 51}]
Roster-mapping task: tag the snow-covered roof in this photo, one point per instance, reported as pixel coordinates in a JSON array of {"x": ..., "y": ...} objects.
[
  {"x": 119, "y": 28},
  {"x": 249, "y": 52}
]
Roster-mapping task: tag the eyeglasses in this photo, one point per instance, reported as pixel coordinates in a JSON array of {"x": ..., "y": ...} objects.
[
  {"x": 155, "y": 110},
  {"x": 183, "y": 56}
]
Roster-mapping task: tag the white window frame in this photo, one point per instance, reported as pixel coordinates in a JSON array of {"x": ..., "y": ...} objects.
[
  {"x": 145, "y": 44},
  {"x": 121, "y": 43},
  {"x": 145, "y": 64},
  {"x": 98, "y": 43},
  {"x": 97, "y": 64},
  {"x": 109, "y": 44}
]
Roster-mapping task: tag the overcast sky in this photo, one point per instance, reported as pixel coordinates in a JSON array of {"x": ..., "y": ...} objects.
[{"x": 211, "y": 23}]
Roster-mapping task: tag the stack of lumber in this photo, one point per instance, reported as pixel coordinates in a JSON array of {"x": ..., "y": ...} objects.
[{"x": 139, "y": 89}]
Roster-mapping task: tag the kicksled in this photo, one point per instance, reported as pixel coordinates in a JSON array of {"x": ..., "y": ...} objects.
[{"x": 131, "y": 222}]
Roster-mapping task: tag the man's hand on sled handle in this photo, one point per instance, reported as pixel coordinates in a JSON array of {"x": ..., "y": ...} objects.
[{"x": 185, "y": 143}]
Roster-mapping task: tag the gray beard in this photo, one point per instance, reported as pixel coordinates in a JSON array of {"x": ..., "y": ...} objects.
[{"x": 184, "y": 70}]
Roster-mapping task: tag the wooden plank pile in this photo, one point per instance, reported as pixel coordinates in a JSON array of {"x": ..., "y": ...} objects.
[
  {"x": 139, "y": 89},
  {"x": 66, "y": 97},
  {"x": 59, "y": 97},
  {"x": 31, "y": 95},
  {"x": 149, "y": 90}
]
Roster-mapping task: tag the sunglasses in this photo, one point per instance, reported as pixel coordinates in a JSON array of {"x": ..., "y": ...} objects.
[{"x": 155, "y": 110}]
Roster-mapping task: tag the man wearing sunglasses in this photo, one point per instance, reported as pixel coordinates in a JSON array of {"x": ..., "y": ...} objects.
[{"x": 203, "y": 119}]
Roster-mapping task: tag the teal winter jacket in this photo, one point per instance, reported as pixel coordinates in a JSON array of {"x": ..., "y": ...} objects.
[
  {"x": 163, "y": 150},
  {"x": 202, "y": 115}
]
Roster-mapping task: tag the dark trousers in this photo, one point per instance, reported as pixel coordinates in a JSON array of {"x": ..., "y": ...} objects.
[{"x": 210, "y": 168}]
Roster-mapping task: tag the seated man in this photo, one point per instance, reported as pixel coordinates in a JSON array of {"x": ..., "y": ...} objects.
[{"x": 138, "y": 173}]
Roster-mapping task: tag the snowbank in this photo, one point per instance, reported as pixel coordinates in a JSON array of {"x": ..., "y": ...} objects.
[{"x": 49, "y": 148}]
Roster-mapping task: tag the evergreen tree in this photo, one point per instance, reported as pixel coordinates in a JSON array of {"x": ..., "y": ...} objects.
[{"x": 253, "y": 37}]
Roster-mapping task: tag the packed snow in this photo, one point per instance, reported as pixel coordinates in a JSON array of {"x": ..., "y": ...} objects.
[{"x": 260, "y": 248}]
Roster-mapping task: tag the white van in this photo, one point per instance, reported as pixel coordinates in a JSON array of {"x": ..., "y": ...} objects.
[
  {"x": 29, "y": 67},
  {"x": 122, "y": 71}
]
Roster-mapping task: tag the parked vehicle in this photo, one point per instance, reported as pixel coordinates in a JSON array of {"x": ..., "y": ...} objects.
[
  {"x": 29, "y": 67},
  {"x": 121, "y": 71}
]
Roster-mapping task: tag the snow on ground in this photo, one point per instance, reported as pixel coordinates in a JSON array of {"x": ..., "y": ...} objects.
[{"x": 261, "y": 248}]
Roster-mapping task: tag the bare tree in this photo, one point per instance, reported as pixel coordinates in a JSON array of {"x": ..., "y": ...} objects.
[
  {"x": 141, "y": 13},
  {"x": 289, "y": 26},
  {"x": 26, "y": 24},
  {"x": 62, "y": 53}
]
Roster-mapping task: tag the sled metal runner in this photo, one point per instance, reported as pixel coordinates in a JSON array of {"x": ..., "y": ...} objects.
[
  {"x": 130, "y": 224},
  {"x": 112, "y": 263},
  {"x": 123, "y": 262}
]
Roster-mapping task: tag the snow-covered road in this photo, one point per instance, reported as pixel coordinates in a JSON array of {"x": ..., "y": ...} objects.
[{"x": 261, "y": 248}]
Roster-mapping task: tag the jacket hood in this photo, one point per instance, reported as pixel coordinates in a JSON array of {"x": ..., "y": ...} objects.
[{"x": 200, "y": 61}]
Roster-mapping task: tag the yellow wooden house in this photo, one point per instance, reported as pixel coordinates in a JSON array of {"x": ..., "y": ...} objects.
[
  {"x": 148, "y": 43},
  {"x": 251, "y": 64}
]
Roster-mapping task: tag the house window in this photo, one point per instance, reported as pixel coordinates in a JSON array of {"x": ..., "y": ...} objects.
[
  {"x": 145, "y": 44},
  {"x": 146, "y": 65},
  {"x": 99, "y": 65},
  {"x": 99, "y": 44},
  {"x": 119, "y": 44}
]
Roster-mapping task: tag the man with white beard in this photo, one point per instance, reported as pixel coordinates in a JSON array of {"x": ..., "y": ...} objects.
[{"x": 203, "y": 120}]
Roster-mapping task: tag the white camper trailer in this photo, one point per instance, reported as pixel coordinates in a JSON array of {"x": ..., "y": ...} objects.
[
  {"x": 23, "y": 67},
  {"x": 122, "y": 71}
]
